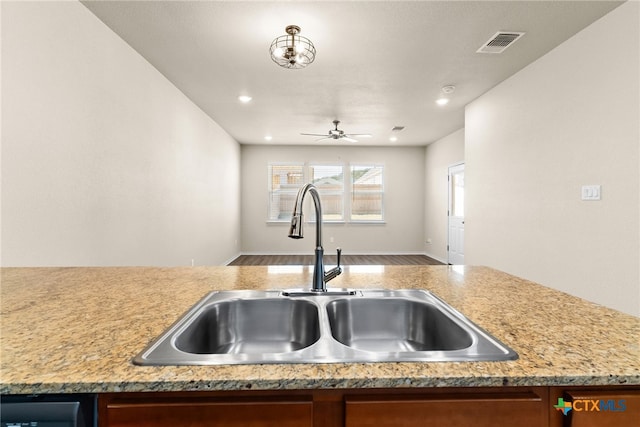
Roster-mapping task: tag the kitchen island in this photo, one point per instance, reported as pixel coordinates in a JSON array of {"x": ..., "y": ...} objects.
[{"x": 76, "y": 330}]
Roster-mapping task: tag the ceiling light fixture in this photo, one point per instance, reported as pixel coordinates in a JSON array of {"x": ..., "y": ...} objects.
[
  {"x": 395, "y": 130},
  {"x": 292, "y": 50},
  {"x": 444, "y": 98},
  {"x": 268, "y": 138},
  {"x": 244, "y": 98}
]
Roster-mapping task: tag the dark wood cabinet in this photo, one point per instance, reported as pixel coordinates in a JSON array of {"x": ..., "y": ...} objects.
[
  {"x": 595, "y": 406},
  {"x": 195, "y": 410},
  {"x": 602, "y": 408},
  {"x": 478, "y": 409},
  {"x": 404, "y": 407}
]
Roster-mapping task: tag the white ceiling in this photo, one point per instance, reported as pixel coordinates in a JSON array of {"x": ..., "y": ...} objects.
[{"x": 379, "y": 64}]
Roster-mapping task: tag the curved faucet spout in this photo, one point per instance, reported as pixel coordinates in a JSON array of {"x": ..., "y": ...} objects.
[
  {"x": 320, "y": 278},
  {"x": 295, "y": 231}
]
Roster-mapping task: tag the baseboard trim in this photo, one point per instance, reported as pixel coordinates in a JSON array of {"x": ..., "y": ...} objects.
[
  {"x": 230, "y": 260},
  {"x": 444, "y": 261}
]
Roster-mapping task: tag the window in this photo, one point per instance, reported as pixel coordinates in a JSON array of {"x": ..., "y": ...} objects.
[
  {"x": 284, "y": 182},
  {"x": 367, "y": 193},
  {"x": 329, "y": 180},
  {"x": 357, "y": 199}
]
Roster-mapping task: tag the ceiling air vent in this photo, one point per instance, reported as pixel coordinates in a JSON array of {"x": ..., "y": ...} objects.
[{"x": 500, "y": 41}]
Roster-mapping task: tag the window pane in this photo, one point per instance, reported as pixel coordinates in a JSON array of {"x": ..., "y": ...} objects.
[
  {"x": 285, "y": 177},
  {"x": 366, "y": 178},
  {"x": 367, "y": 192},
  {"x": 284, "y": 182},
  {"x": 329, "y": 180},
  {"x": 366, "y": 206}
]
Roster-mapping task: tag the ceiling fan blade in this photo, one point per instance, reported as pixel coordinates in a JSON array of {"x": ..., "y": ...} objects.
[{"x": 338, "y": 134}]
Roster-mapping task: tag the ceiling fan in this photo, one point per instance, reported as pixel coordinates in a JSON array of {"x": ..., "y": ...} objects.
[{"x": 338, "y": 134}]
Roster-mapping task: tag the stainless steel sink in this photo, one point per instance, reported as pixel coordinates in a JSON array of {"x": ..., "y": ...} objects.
[
  {"x": 394, "y": 325},
  {"x": 247, "y": 327},
  {"x": 254, "y": 326}
]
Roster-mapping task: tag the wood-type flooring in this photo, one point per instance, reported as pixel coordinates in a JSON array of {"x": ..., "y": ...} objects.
[{"x": 331, "y": 259}]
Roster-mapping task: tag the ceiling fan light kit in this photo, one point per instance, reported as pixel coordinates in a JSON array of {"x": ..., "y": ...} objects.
[{"x": 292, "y": 50}]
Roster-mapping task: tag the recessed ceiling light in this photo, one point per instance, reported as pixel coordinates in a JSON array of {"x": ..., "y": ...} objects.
[
  {"x": 244, "y": 98},
  {"x": 446, "y": 90},
  {"x": 268, "y": 137},
  {"x": 393, "y": 139}
]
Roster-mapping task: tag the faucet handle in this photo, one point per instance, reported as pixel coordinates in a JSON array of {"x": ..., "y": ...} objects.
[{"x": 335, "y": 271}]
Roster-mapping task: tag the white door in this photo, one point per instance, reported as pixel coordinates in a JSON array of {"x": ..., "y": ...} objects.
[{"x": 455, "y": 245}]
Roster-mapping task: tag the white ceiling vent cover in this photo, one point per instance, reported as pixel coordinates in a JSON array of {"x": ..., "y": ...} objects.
[{"x": 500, "y": 41}]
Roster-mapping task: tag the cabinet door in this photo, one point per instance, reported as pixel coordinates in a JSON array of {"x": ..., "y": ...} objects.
[
  {"x": 454, "y": 410},
  {"x": 603, "y": 408},
  {"x": 210, "y": 414}
]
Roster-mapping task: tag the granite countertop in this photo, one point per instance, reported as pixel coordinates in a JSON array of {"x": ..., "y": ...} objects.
[{"x": 76, "y": 330}]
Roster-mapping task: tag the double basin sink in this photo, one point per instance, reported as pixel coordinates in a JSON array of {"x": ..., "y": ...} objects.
[{"x": 249, "y": 327}]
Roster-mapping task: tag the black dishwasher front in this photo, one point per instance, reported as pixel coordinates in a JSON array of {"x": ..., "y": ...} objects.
[{"x": 60, "y": 410}]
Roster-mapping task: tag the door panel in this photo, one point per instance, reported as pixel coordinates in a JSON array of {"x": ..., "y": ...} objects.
[
  {"x": 455, "y": 246},
  {"x": 602, "y": 408}
]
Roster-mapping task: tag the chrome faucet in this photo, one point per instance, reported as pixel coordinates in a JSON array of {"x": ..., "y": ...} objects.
[{"x": 320, "y": 277}]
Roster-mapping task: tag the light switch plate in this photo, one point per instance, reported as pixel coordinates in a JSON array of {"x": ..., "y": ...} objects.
[{"x": 591, "y": 192}]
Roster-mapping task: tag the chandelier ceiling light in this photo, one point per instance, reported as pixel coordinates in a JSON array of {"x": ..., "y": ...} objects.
[{"x": 292, "y": 50}]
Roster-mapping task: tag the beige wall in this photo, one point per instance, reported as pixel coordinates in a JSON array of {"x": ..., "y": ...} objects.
[
  {"x": 403, "y": 200},
  {"x": 438, "y": 157},
  {"x": 104, "y": 162},
  {"x": 569, "y": 119}
]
